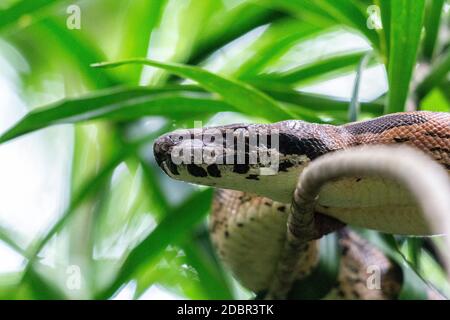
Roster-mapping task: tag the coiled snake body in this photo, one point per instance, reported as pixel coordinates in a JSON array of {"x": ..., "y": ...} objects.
[{"x": 250, "y": 210}]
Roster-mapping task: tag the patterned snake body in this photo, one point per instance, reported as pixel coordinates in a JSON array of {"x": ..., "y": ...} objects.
[
  {"x": 249, "y": 233},
  {"x": 248, "y": 222}
]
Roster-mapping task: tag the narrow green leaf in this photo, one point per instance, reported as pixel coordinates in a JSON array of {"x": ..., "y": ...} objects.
[
  {"x": 142, "y": 17},
  {"x": 414, "y": 249},
  {"x": 248, "y": 17},
  {"x": 154, "y": 190},
  {"x": 351, "y": 13},
  {"x": 273, "y": 43},
  {"x": 43, "y": 289},
  {"x": 406, "y": 27},
  {"x": 435, "y": 101},
  {"x": 9, "y": 285},
  {"x": 170, "y": 230},
  {"x": 40, "y": 287},
  {"x": 314, "y": 69},
  {"x": 207, "y": 259},
  {"x": 21, "y": 8},
  {"x": 354, "y": 107},
  {"x": 10, "y": 240},
  {"x": 431, "y": 269},
  {"x": 384, "y": 7},
  {"x": 385, "y": 33},
  {"x": 88, "y": 188},
  {"x": 432, "y": 21},
  {"x": 121, "y": 104},
  {"x": 79, "y": 48},
  {"x": 320, "y": 103},
  {"x": 439, "y": 70},
  {"x": 174, "y": 101},
  {"x": 211, "y": 278},
  {"x": 243, "y": 97},
  {"x": 198, "y": 248},
  {"x": 414, "y": 287},
  {"x": 445, "y": 89},
  {"x": 306, "y": 10}
]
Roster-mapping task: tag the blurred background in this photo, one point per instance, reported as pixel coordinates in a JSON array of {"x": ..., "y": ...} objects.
[{"x": 84, "y": 210}]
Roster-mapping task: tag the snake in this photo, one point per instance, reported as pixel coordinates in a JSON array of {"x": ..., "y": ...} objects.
[{"x": 252, "y": 201}]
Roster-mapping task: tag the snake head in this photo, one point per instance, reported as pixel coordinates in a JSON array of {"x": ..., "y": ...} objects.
[{"x": 264, "y": 159}]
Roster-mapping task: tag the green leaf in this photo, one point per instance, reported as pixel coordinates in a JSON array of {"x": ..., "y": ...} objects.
[
  {"x": 90, "y": 187},
  {"x": 351, "y": 13},
  {"x": 207, "y": 260},
  {"x": 154, "y": 190},
  {"x": 435, "y": 101},
  {"x": 211, "y": 277},
  {"x": 233, "y": 25},
  {"x": 21, "y": 8},
  {"x": 142, "y": 17},
  {"x": 432, "y": 22},
  {"x": 9, "y": 285},
  {"x": 42, "y": 289},
  {"x": 433, "y": 272},
  {"x": 406, "y": 27},
  {"x": 413, "y": 252},
  {"x": 175, "y": 101},
  {"x": 439, "y": 71},
  {"x": 79, "y": 48},
  {"x": 385, "y": 33},
  {"x": 273, "y": 43},
  {"x": 306, "y": 10},
  {"x": 354, "y": 107},
  {"x": 445, "y": 89},
  {"x": 414, "y": 287},
  {"x": 171, "y": 230},
  {"x": 117, "y": 104},
  {"x": 243, "y": 97},
  {"x": 198, "y": 248},
  {"x": 314, "y": 69},
  {"x": 320, "y": 103},
  {"x": 11, "y": 241}
]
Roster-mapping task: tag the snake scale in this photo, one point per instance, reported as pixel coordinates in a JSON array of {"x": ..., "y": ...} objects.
[{"x": 250, "y": 207}]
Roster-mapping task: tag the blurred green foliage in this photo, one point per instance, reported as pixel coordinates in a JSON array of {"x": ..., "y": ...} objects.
[{"x": 123, "y": 224}]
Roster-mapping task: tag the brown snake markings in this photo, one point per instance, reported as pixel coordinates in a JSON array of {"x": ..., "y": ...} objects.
[{"x": 249, "y": 230}]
